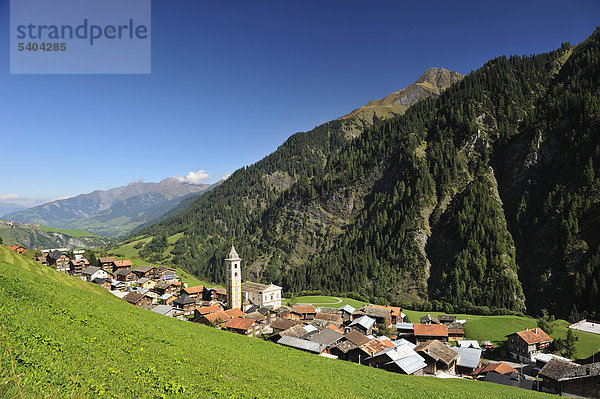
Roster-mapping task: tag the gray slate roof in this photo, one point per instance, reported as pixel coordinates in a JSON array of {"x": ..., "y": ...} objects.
[
  {"x": 301, "y": 344},
  {"x": 90, "y": 270},
  {"x": 326, "y": 337},
  {"x": 468, "y": 357},
  {"x": 364, "y": 321},
  {"x": 348, "y": 309},
  {"x": 410, "y": 364}
]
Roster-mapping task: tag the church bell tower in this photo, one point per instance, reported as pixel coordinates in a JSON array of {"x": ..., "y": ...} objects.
[{"x": 234, "y": 279}]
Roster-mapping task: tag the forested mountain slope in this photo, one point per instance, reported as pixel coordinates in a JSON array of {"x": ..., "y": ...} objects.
[{"x": 486, "y": 196}]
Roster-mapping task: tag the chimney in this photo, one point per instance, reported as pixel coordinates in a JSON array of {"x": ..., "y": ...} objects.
[{"x": 536, "y": 330}]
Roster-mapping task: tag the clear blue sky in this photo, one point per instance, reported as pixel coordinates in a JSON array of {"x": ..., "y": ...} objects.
[{"x": 232, "y": 80}]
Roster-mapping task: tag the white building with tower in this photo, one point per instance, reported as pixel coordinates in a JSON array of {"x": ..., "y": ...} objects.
[
  {"x": 248, "y": 292},
  {"x": 234, "y": 279}
]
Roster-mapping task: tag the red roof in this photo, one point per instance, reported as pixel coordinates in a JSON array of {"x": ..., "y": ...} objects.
[
  {"x": 388, "y": 343},
  {"x": 431, "y": 330},
  {"x": 123, "y": 263},
  {"x": 239, "y": 323},
  {"x": 373, "y": 346},
  {"x": 233, "y": 313},
  {"x": 194, "y": 290},
  {"x": 334, "y": 328},
  {"x": 534, "y": 336},
  {"x": 396, "y": 311},
  {"x": 212, "y": 317},
  {"x": 501, "y": 368},
  {"x": 303, "y": 309},
  {"x": 208, "y": 309},
  {"x": 356, "y": 337}
]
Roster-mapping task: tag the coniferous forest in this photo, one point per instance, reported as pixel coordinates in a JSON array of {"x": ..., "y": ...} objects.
[{"x": 484, "y": 199}]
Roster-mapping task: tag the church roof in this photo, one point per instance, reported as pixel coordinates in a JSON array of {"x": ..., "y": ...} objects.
[
  {"x": 233, "y": 255},
  {"x": 251, "y": 286}
]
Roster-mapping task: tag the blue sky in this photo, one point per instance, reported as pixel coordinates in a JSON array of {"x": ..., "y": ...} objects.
[{"x": 232, "y": 80}]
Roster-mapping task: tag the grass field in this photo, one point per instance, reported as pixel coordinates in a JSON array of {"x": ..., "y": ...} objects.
[
  {"x": 69, "y": 232},
  {"x": 71, "y": 339},
  {"x": 327, "y": 301}
]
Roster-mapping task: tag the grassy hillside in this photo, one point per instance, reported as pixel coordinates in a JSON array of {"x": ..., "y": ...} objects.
[
  {"x": 70, "y": 339},
  {"x": 48, "y": 237}
]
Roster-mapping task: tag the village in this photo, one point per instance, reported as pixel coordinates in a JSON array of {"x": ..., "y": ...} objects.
[{"x": 372, "y": 335}]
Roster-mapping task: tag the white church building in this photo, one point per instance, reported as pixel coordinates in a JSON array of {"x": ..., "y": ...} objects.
[{"x": 247, "y": 293}]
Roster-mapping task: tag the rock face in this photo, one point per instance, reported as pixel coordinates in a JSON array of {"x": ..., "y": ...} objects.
[{"x": 430, "y": 84}]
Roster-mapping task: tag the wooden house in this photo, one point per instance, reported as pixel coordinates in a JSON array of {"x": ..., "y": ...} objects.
[
  {"x": 363, "y": 324},
  {"x": 145, "y": 271},
  {"x": 438, "y": 357},
  {"x": 570, "y": 379},
  {"x": 59, "y": 261},
  {"x": 305, "y": 312},
  {"x": 524, "y": 345},
  {"x": 138, "y": 299},
  {"x": 238, "y": 325},
  {"x": 107, "y": 263},
  {"x": 428, "y": 332},
  {"x": 121, "y": 265},
  {"x": 126, "y": 276},
  {"x": 215, "y": 319},
  {"x": 185, "y": 303},
  {"x": 195, "y": 293}
]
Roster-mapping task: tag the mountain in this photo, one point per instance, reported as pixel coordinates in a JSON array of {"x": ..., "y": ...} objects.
[
  {"x": 431, "y": 84},
  {"x": 44, "y": 237},
  {"x": 483, "y": 199},
  {"x": 112, "y": 212},
  {"x": 65, "y": 338},
  {"x": 6, "y": 208}
]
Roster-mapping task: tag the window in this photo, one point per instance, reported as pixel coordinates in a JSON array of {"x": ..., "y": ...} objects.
[{"x": 235, "y": 275}]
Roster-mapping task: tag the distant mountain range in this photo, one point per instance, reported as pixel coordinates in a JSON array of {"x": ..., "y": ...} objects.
[
  {"x": 6, "y": 208},
  {"x": 112, "y": 212}
]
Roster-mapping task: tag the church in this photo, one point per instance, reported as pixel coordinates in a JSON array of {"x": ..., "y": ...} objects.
[{"x": 244, "y": 295}]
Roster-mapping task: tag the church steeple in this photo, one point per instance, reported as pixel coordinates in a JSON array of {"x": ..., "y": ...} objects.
[{"x": 234, "y": 279}]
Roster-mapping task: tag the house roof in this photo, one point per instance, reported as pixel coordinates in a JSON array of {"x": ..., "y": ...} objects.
[
  {"x": 561, "y": 370},
  {"x": 330, "y": 317},
  {"x": 534, "y": 336},
  {"x": 213, "y": 317},
  {"x": 183, "y": 300},
  {"x": 347, "y": 309},
  {"x": 123, "y": 263},
  {"x": 334, "y": 328},
  {"x": 374, "y": 311},
  {"x": 445, "y": 318},
  {"x": 345, "y": 346},
  {"x": 264, "y": 310},
  {"x": 437, "y": 351},
  {"x": 500, "y": 368},
  {"x": 163, "y": 309},
  {"x": 134, "y": 297},
  {"x": 304, "y": 309},
  {"x": 207, "y": 309},
  {"x": 468, "y": 357},
  {"x": 326, "y": 337},
  {"x": 55, "y": 255},
  {"x": 283, "y": 311},
  {"x": 194, "y": 290},
  {"x": 395, "y": 310},
  {"x": 403, "y": 342},
  {"x": 143, "y": 280},
  {"x": 465, "y": 343},
  {"x": 327, "y": 310},
  {"x": 234, "y": 313},
  {"x": 373, "y": 346},
  {"x": 405, "y": 326},
  {"x": 429, "y": 319},
  {"x": 90, "y": 270},
  {"x": 250, "y": 286},
  {"x": 356, "y": 337},
  {"x": 294, "y": 331},
  {"x": 255, "y": 316},
  {"x": 284, "y": 324},
  {"x": 455, "y": 328},
  {"x": 143, "y": 269},
  {"x": 431, "y": 330},
  {"x": 410, "y": 364},
  {"x": 107, "y": 259},
  {"x": 163, "y": 285},
  {"x": 303, "y": 344},
  {"x": 364, "y": 321},
  {"x": 239, "y": 323},
  {"x": 122, "y": 272}
]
